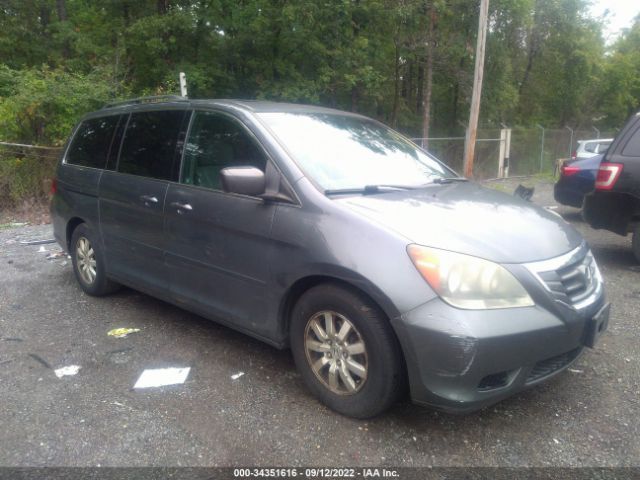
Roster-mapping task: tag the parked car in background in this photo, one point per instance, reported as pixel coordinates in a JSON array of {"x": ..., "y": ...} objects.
[
  {"x": 591, "y": 148},
  {"x": 329, "y": 233},
  {"x": 577, "y": 179},
  {"x": 615, "y": 203}
]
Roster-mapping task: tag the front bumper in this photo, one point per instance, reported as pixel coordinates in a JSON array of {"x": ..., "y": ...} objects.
[{"x": 464, "y": 360}]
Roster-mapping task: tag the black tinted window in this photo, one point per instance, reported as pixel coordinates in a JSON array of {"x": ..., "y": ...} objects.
[
  {"x": 215, "y": 142},
  {"x": 91, "y": 142},
  {"x": 112, "y": 161},
  {"x": 632, "y": 148},
  {"x": 150, "y": 143}
]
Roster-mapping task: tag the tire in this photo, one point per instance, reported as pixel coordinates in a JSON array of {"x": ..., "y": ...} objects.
[
  {"x": 90, "y": 274},
  {"x": 372, "y": 389},
  {"x": 635, "y": 242}
]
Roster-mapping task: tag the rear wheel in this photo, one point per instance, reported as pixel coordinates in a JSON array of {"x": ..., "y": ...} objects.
[
  {"x": 88, "y": 263},
  {"x": 346, "y": 351},
  {"x": 635, "y": 242}
]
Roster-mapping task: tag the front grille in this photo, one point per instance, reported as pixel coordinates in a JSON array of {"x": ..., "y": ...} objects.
[
  {"x": 574, "y": 282},
  {"x": 551, "y": 365}
]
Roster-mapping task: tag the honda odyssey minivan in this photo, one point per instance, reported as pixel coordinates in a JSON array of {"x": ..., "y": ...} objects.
[{"x": 328, "y": 233}]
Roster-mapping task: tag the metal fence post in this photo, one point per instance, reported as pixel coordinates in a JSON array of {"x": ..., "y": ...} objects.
[
  {"x": 507, "y": 151},
  {"x": 570, "y": 141},
  {"x": 503, "y": 144},
  {"x": 541, "y": 145},
  {"x": 597, "y": 132}
]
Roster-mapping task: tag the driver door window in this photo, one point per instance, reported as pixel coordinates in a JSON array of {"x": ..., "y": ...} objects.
[{"x": 216, "y": 142}]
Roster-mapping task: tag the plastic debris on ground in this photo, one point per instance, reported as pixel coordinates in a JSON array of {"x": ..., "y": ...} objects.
[
  {"x": 237, "y": 375},
  {"x": 67, "y": 371},
  {"x": 159, "y": 377},
  {"x": 37, "y": 242},
  {"x": 42, "y": 249},
  {"x": 122, "y": 332},
  {"x": 55, "y": 255}
]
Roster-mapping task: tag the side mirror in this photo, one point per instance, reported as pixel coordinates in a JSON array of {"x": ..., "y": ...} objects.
[{"x": 243, "y": 180}]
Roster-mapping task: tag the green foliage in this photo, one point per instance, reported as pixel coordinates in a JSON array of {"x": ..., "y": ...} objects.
[
  {"x": 620, "y": 88},
  {"x": 545, "y": 59},
  {"x": 26, "y": 178},
  {"x": 41, "y": 105}
]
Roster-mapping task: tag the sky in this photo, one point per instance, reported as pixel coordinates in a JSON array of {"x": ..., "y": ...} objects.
[{"x": 621, "y": 15}]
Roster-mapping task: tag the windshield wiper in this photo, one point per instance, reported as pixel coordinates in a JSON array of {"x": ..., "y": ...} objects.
[
  {"x": 369, "y": 189},
  {"x": 443, "y": 180}
]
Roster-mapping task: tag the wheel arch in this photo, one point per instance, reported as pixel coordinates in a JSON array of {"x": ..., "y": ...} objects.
[
  {"x": 72, "y": 224},
  {"x": 357, "y": 284}
]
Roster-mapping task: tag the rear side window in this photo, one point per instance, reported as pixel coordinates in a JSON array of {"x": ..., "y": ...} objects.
[
  {"x": 150, "y": 143},
  {"x": 90, "y": 144},
  {"x": 216, "y": 142},
  {"x": 591, "y": 147},
  {"x": 632, "y": 148}
]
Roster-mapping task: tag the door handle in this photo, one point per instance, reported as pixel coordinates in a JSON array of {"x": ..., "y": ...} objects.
[
  {"x": 148, "y": 198},
  {"x": 181, "y": 206}
]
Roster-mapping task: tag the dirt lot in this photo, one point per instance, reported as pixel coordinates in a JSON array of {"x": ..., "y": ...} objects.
[{"x": 588, "y": 416}]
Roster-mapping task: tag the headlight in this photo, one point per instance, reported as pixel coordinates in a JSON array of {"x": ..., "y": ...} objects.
[{"x": 468, "y": 282}]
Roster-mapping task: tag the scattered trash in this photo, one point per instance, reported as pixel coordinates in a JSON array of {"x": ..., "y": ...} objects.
[
  {"x": 12, "y": 339},
  {"x": 573, "y": 370},
  {"x": 119, "y": 350},
  {"x": 524, "y": 192},
  {"x": 42, "y": 249},
  {"x": 160, "y": 377},
  {"x": 37, "y": 242},
  {"x": 121, "y": 332},
  {"x": 54, "y": 255},
  {"x": 64, "y": 264},
  {"x": 67, "y": 371},
  {"x": 40, "y": 360},
  {"x": 556, "y": 441},
  {"x": 237, "y": 375}
]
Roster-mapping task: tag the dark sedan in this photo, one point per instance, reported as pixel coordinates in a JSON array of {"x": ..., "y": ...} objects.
[{"x": 577, "y": 179}]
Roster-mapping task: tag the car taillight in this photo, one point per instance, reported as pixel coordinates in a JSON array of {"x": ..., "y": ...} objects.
[
  {"x": 574, "y": 154},
  {"x": 568, "y": 170},
  {"x": 608, "y": 174},
  {"x": 54, "y": 186}
]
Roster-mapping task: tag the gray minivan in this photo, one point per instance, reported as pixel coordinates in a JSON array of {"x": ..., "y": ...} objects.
[{"x": 331, "y": 234}]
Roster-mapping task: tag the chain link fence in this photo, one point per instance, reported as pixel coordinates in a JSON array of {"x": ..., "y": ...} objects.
[
  {"x": 530, "y": 151},
  {"x": 26, "y": 172}
]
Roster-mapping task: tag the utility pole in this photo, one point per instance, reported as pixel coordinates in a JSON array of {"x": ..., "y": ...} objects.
[{"x": 470, "y": 137}]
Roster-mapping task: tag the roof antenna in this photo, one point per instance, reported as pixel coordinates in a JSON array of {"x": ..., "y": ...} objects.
[{"x": 183, "y": 84}]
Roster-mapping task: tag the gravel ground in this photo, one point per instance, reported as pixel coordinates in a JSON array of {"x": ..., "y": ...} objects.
[{"x": 587, "y": 416}]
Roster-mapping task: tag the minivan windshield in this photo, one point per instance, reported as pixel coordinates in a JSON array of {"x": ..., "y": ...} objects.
[{"x": 345, "y": 152}]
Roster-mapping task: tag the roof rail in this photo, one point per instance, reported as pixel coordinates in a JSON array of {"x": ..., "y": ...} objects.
[{"x": 140, "y": 100}]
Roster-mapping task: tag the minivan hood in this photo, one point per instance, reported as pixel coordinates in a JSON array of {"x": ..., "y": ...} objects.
[{"x": 470, "y": 219}]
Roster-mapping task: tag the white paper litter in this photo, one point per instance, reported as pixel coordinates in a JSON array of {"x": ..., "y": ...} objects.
[
  {"x": 237, "y": 375},
  {"x": 159, "y": 377},
  {"x": 42, "y": 249},
  {"x": 67, "y": 371}
]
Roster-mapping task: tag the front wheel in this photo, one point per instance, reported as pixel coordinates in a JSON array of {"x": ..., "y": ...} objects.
[{"x": 346, "y": 351}]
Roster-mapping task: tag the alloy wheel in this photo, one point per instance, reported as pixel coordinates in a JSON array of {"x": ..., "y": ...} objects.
[
  {"x": 336, "y": 352},
  {"x": 85, "y": 260}
]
